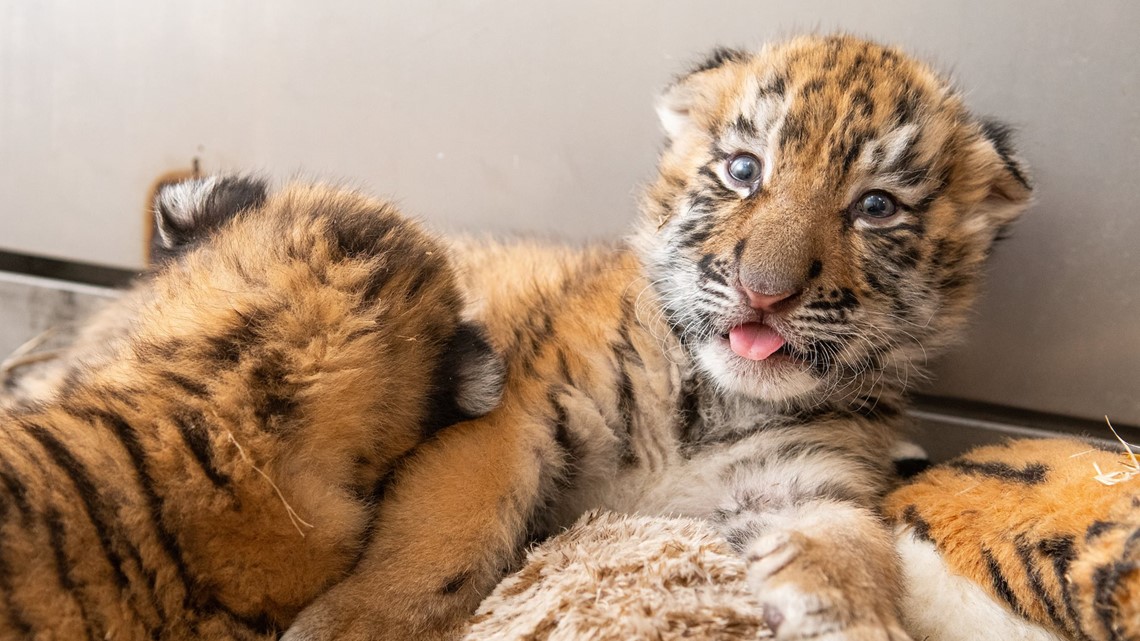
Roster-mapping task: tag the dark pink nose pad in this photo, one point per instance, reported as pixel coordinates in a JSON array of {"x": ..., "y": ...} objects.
[{"x": 767, "y": 302}]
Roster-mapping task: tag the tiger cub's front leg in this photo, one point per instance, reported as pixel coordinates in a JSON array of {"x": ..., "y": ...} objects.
[
  {"x": 826, "y": 570},
  {"x": 819, "y": 559}
]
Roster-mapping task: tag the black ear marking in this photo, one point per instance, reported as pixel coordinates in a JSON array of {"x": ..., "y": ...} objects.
[
  {"x": 1010, "y": 185},
  {"x": 186, "y": 212},
  {"x": 718, "y": 57},
  {"x": 1001, "y": 136},
  {"x": 469, "y": 380},
  {"x": 676, "y": 101}
]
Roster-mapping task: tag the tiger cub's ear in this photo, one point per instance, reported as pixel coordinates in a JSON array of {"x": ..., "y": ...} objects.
[
  {"x": 468, "y": 380},
  {"x": 676, "y": 103},
  {"x": 186, "y": 212},
  {"x": 1009, "y": 188}
]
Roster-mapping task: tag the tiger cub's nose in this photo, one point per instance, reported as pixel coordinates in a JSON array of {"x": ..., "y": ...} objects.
[{"x": 770, "y": 303}]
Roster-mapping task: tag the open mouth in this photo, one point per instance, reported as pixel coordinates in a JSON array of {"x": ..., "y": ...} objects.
[{"x": 756, "y": 342}]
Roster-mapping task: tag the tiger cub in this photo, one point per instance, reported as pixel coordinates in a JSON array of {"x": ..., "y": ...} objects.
[
  {"x": 215, "y": 466},
  {"x": 819, "y": 224}
]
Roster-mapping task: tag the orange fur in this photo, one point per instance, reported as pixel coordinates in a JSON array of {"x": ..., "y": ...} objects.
[
  {"x": 1028, "y": 522},
  {"x": 215, "y": 470},
  {"x": 608, "y": 404}
]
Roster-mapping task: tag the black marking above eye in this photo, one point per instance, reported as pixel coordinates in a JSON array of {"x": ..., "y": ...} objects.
[
  {"x": 876, "y": 204},
  {"x": 744, "y": 169}
]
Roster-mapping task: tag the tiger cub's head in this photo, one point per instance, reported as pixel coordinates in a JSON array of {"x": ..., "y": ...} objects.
[
  {"x": 821, "y": 215},
  {"x": 314, "y": 269}
]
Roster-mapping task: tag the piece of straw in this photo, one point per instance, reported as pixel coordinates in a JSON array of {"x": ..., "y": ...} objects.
[
  {"x": 294, "y": 518},
  {"x": 1128, "y": 473},
  {"x": 23, "y": 355}
]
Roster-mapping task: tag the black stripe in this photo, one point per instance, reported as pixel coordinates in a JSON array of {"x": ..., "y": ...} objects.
[
  {"x": 364, "y": 235},
  {"x": 15, "y": 489},
  {"x": 776, "y": 87},
  {"x": 274, "y": 401},
  {"x": 688, "y": 407},
  {"x": 97, "y": 512},
  {"x": 924, "y": 203},
  {"x": 849, "y": 158},
  {"x": 1031, "y": 474},
  {"x": 626, "y": 404},
  {"x": 708, "y": 270},
  {"x": 1062, "y": 553},
  {"x": 573, "y": 450},
  {"x": 744, "y": 126},
  {"x": 738, "y": 538},
  {"x": 423, "y": 276},
  {"x": 812, "y": 450},
  {"x": 913, "y": 176},
  {"x": 883, "y": 231},
  {"x": 1033, "y": 576},
  {"x": 874, "y": 408},
  {"x": 55, "y": 529},
  {"x": 1096, "y": 528},
  {"x": 228, "y": 347},
  {"x": 105, "y": 523},
  {"x": 815, "y": 85},
  {"x": 1105, "y": 580},
  {"x": 196, "y": 596},
  {"x": 861, "y": 100},
  {"x": 195, "y": 435},
  {"x": 129, "y": 439},
  {"x": 918, "y": 524},
  {"x": 841, "y": 299},
  {"x": 564, "y": 368},
  {"x": 7, "y": 591},
  {"x": 836, "y": 490},
  {"x": 456, "y": 583},
  {"x": 906, "y": 106},
  {"x": 380, "y": 490},
  {"x": 628, "y": 351},
  {"x": 625, "y": 354},
  {"x": 193, "y": 388},
  {"x": 1000, "y": 585}
]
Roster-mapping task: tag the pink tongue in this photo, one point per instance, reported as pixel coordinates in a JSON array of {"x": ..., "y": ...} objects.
[{"x": 754, "y": 341}]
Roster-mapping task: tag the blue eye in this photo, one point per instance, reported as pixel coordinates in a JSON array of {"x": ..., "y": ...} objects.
[
  {"x": 744, "y": 169},
  {"x": 875, "y": 204}
]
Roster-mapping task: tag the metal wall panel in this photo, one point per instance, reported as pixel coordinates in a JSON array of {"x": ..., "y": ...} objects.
[{"x": 536, "y": 116}]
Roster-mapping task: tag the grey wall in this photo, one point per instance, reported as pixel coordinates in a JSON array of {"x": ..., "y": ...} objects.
[{"x": 524, "y": 115}]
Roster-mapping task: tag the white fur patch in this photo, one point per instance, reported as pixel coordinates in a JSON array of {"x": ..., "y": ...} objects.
[
  {"x": 908, "y": 450},
  {"x": 943, "y": 606},
  {"x": 773, "y": 382},
  {"x": 480, "y": 383},
  {"x": 178, "y": 204},
  {"x": 673, "y": 120}
]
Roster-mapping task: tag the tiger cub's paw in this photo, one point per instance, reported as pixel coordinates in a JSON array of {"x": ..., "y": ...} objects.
[
  {"x": 804, "y": 595},
  {"x": 355, "y": 611}
]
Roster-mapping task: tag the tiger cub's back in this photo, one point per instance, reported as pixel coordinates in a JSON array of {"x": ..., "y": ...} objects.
[{"x": 217, "y": 467}]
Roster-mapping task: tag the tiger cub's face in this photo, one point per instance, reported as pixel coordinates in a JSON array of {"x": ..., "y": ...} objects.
[{"x": 821, "y": 215}]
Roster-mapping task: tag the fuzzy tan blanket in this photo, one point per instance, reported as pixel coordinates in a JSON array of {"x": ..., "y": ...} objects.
[{"x": 616, "y": 577}]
